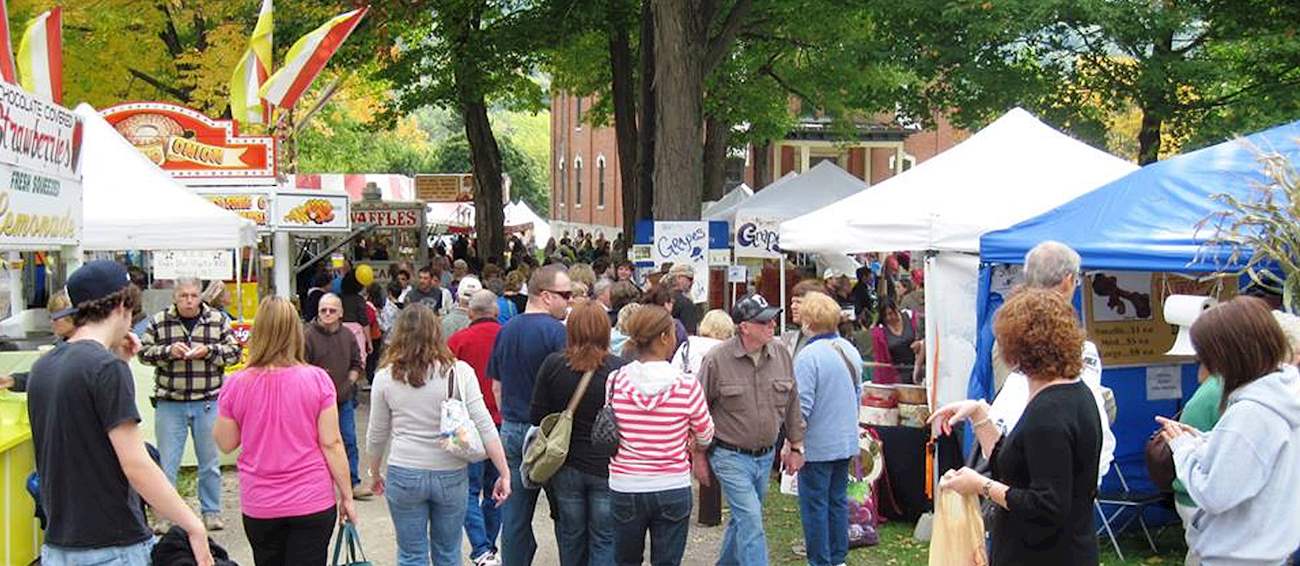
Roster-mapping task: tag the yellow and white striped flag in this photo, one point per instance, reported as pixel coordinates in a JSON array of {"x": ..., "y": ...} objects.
[
  {"x": 253, "y": 68},
  {"x": 40, "y": 56},
  {"x": 307, "y": 57}
]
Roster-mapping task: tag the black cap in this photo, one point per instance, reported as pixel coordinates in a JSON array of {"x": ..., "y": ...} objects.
[
  {"x": 753, "y": 308},
  {"x": 92, "y": 281}
]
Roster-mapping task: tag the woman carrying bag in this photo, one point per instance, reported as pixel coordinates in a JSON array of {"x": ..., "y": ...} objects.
[
  {"x": 584, "y": 528},
  {"x": 427, "y": 483}
]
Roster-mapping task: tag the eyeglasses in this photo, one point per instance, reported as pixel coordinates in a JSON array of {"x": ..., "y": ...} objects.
[
  {"x": 566, "y": 295},
  {"x": 328, "y": 310}
]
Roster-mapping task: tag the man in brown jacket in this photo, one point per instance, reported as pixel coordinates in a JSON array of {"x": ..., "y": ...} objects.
[
  {"x": 749, "y": 384},
  {"x": 334, "y": 349}
]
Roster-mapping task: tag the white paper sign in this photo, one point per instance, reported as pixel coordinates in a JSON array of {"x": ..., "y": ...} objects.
[
  {"x": 758, "y": 236},
  {"x": 719, "y": 258},
  {"x": 688, "y": 243},
  {"x": 737, "y": 274},
  {"x": 203, "y": 264},
  {"x": 1164, "y": 382}
]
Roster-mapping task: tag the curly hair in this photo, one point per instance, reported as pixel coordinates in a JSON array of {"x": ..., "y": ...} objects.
[
  {"x": 1040, "y": 335},
  {"x": 102, "y": 308}
]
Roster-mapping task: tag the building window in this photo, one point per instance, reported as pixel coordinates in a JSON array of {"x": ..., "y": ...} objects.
[
  {"x": 577, "y": 182},
  {"x": 600, "y": 181},
  {"x": 578, "y": 113},
  {"x": 560, "y": 183}
]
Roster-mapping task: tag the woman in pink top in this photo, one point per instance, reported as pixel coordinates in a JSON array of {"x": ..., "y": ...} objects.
[
  {"x": 658, "y": 407},
  {"x": 283, "y": 413}
]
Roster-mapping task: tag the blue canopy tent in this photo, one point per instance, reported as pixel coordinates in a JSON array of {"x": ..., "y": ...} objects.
[{"x": 1146, "y": 221}]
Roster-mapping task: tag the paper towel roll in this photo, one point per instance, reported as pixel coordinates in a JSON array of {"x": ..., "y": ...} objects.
[{"x": 1183, "y": 310}]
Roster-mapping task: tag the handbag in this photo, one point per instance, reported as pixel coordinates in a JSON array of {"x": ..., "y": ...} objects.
[
  {"x": 1160, "y": 461},
  {"x": 604, "y": 430},
  {"x": 355, "y": 556},
  {"x": 459, "y": 435},
  {"x": 864, "y": 517},
  {"x": 551, "y": 448}
]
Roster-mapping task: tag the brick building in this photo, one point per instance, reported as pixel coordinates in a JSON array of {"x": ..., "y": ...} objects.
[{"x": 586, "y": 188}]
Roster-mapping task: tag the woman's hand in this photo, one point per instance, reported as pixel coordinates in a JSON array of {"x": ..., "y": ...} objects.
[
  {"x": 501, "y": 491},
  {"x": 1171, "y": 429},
  {"x": 942, "y": 421},
  {"x": 348, "y": 511},
  {"x": 377, "y": 483},
  {"x": 964, "y": 481}
]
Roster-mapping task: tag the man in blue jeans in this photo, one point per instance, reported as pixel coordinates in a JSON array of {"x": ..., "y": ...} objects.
[
  {"x": 473, "y": 345},
  {"x": 521, "y": 346},
  {"x": 749, "y": 384}
]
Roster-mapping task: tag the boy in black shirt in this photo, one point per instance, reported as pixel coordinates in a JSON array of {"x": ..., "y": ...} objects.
[{"x": 92, "y": 461}]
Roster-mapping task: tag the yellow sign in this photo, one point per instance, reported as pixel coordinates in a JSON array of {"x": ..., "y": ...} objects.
[
  {"x": 444, "y": 188},
  {"x": 1125, "y": 313}
]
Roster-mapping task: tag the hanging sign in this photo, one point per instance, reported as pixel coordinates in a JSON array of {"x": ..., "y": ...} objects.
[
  {"x": 1124, "y": 313},
  {"x": 757, "y": 236},
  {"x": 444, "y": 188},
  {"x": 40, "y": 172},
  {"x": 387, "y": 217},
  {"x": 684, "y": 243},
  {"x": 253, "y": 206},
  {"x": 189, "y": 145},
  {"x": 203, "y": 264},
  {"x": 312, "y": 211}
]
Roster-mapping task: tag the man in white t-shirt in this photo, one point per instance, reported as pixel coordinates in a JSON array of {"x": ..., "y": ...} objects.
[{"x": 1053, "y": 265}]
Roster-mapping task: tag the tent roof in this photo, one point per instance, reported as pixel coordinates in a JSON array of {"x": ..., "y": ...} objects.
[
  {"x": 789, "y": 197},
  {"x": 728, "y": 213},
  {"x": 1011, "y": 170},
  {"x": 1147, "y": 221},
  {"x": 131, "y": 204},
  {"x": 728, "y": 201},
  {"x": 519, "y": 213}
]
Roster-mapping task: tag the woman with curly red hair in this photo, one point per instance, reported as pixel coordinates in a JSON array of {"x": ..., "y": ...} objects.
[{"x": 1044, "y": 471}]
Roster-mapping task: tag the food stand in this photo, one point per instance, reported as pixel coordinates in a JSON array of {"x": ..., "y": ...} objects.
[
  {"x": 398, "y": 234},
  {"x": 40, "y": 209}
]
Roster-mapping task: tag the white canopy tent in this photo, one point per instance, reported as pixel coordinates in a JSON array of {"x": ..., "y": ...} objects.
[
  {"x": 132, "y": 204},
  {"x": 728, "y": 212},
  {"x": 519, "y": 214},
  {"x": 460, "y": 216},
  {"x": 1012, "y": 170},
  {"x": 733, "y": 198}
]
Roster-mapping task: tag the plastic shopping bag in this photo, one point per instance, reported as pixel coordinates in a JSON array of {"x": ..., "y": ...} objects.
[
  {"x": 958, "y": 537},
  {"x": 459, "y": 435},
  {"x": 789, "y": 482}
]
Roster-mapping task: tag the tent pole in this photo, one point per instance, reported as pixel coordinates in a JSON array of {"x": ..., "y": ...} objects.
[
  {"x": 239, "y": 283},
  {"x": 782, "y": 293}
]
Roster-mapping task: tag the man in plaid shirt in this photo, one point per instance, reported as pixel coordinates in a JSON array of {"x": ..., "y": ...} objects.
[{"x": 190, "y": 344}]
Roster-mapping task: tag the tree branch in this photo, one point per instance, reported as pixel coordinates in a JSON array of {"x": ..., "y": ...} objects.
[
  {"x": 168, "y": 35},
  {"x": 785, "y": 85},
  {"x": 795, "y": 42},
  {"x": 1233, "y": 96},
  {"x": 720, "y": 44},
  {"x": 180, "y": 94}
]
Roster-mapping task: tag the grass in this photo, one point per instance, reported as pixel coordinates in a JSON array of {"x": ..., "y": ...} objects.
[{"x": 898, "y": 548}]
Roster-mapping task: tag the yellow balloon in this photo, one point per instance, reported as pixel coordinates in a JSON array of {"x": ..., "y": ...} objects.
[{"x": 365, "y": 275}]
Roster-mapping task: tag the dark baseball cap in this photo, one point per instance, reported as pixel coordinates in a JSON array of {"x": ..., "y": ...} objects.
[
  {"x": 753, "y": 308},
  {"x": 92, "y": 281}
]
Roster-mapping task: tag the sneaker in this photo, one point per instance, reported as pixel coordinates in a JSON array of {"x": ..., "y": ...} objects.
[
  {"x": 362, "y": 492},
  {"x": 487, "y": 559},
  {"x": 212, "y": 522},
  {"x": 799, "y": 550}
]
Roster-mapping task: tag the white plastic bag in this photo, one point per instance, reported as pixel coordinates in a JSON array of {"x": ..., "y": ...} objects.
[
  {"x": 789, "y": 482},
  {"x": 459, "y": 435}
]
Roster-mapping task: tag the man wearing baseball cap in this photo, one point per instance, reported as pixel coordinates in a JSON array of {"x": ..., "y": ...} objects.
[
  {"x": 749, "y": 384},
  {"x": 86, "y": 430},
  {"x": 679, "y": 280},
  {"x": 458, "y": 318}
]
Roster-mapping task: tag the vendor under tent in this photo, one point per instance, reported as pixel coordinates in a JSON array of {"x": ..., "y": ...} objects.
[
  {"x": 730, "y": 200},
  {"x": 519, "y": 214},
  {"x": 459, "y": 217},
  {"x": 1011, "y": 170},
  {"x": 1136, "y": 229}
]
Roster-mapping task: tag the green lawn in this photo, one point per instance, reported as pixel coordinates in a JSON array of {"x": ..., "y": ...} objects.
[{"x": 898, "y": 548}]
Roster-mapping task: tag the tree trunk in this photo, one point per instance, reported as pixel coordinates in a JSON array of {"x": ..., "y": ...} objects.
[
  {"x": 762, "y": 165},
  {"x": 1149, "y": 138},
  {"x": 680, "y": 40},
  {"x": 485, "y": 157},
  {"x": 625, "y": 127},
  {"x": 716, "y": 134},
  {"x": 647, "y": 126},
  {"x": 1154, "y": 106}
]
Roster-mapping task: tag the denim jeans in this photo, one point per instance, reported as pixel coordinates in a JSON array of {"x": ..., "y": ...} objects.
[
  {"x": 584, "y": 529},
  {"x": 133, "y": 555},
  {"x": 482, "y": 517},
  {"x": 517, "y": 543},
  {"x": 824, "y": 510},
  {"x": 744, "y": 485},
  {"x": 428, "y": 509},
  {"x": 173, "y": 421},
  {"x": 665, "y": 514},
  {"x": 348, "y": 430}
]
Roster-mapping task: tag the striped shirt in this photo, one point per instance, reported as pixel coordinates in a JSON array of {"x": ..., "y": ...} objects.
[{"x": 657, "y": 407}]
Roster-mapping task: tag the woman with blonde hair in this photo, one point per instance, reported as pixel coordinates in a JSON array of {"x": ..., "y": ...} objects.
[
  {"x": 282, "y": 413},
  {"x": 425, "y": 485},
  {"x": 715, "y": 327}
]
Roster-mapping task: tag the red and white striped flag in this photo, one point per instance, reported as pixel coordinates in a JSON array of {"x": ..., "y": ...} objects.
[
  {"x": 40, "y": 56},
  {"x": 7, "y": 70},
  {"x": 307, "y": 57}
]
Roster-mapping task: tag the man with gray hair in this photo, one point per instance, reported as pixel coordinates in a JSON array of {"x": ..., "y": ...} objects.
[
  {"x": 190, "y": 344},
  {"x": 1055, "y": 266}
]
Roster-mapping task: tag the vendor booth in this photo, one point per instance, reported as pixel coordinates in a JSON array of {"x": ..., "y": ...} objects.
[
  {"x": 398, "y": 234},
  {"x": 733, "y": 198},
  {"x": 1140, "y": 240}
]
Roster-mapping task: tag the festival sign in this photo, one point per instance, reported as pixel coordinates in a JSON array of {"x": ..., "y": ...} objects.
[
  {"x": 189, "y": 145},
  {"x": 1124, "y": 313},
  {"x": 757, "y": 236},
  {"x": 251, "y": 205},
  {"x": 444, "y": 188},
  {"x": 684, "y": 243},
  {"x": 311, "y": 211},
  {"x": 203, "y": 264},
  {"x": 387, "y": 217},
  {"x": 40, "y": 172}
]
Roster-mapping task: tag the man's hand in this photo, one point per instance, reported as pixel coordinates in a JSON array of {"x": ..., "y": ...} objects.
[
  {"x": 199, "y": 545},
  {"x": 129, "y": 347},
  {"x": 700, "y": 467},
  {"x": 6, "y": 381},
  {"x": 198, "y": 352},
  {"x": 791, "y": 461},
  {"x": 178, "y": 350}
]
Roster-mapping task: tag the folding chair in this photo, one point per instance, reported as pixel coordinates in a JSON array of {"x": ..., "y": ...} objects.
[{"x": 1124, "y": 499}]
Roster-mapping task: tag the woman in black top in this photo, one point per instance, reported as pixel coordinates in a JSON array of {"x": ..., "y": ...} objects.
[
  {"x": 584, "y": 527},
  {"x": 1045, "y": 470}
]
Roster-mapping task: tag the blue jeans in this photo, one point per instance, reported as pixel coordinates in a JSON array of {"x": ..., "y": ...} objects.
[
  {"x": 428, "y": 509},
  {"x": 133, "y": 555},
  {"x": 744, "y": 485},
  {"x": 584, "y": 530},
  {"x": 518, "y": 545},
  {"x": 665, "y": 514},
  {"x": 482, "y": 517},
  {"x": 348, "y": 429},
  {"x": 824, "y": 509},
  {"x": 173, "y": 421}
]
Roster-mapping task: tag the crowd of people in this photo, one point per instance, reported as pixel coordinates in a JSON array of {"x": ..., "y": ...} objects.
[{"x": 696, "y": 397}]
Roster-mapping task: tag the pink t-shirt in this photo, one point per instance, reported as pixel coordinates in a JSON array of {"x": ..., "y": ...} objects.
[{"x": 282, "y": 470}]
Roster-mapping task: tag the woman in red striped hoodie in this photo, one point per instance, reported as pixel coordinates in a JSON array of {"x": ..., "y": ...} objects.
[{"x": 657, "y": 407}]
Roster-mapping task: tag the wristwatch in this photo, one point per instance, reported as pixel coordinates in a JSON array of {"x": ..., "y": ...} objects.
[{"x": 798, "y": 449}]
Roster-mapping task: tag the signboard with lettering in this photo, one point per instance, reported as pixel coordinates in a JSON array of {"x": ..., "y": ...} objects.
[
  {"x": 203, "y": 264},
  {"x": 387, "y": 217},
  {"x": 253, "y": 206},
  {"x": 688, "y": 243},
  {"x": 444, "y": 188},
  {"x": 312, "y": 211},
  {"x": 1125, "y": 313},
  {"x": 189, "y": 145},
  {"x": 40, "y": 172},
  {"x": 757, "y": 236}
]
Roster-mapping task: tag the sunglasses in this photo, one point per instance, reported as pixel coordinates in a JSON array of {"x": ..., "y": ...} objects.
[{"x": 566, "y": 295}]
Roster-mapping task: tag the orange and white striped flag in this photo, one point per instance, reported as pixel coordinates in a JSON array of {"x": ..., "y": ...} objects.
[
  {"x": 7, "y": 70},
  {"x": 253, "y": 68},
  {"x": 307, "y": 57},
  {"x": 40, "y": 56}
]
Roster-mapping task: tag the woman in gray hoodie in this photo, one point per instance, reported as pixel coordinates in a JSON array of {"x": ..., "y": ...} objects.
[{"x": 1243, "y": 474}]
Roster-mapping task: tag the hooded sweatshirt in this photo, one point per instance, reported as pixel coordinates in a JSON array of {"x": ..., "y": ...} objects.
[
  {"x": 1243, "y": 475},
  {"x": 656, "y": 406}
]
